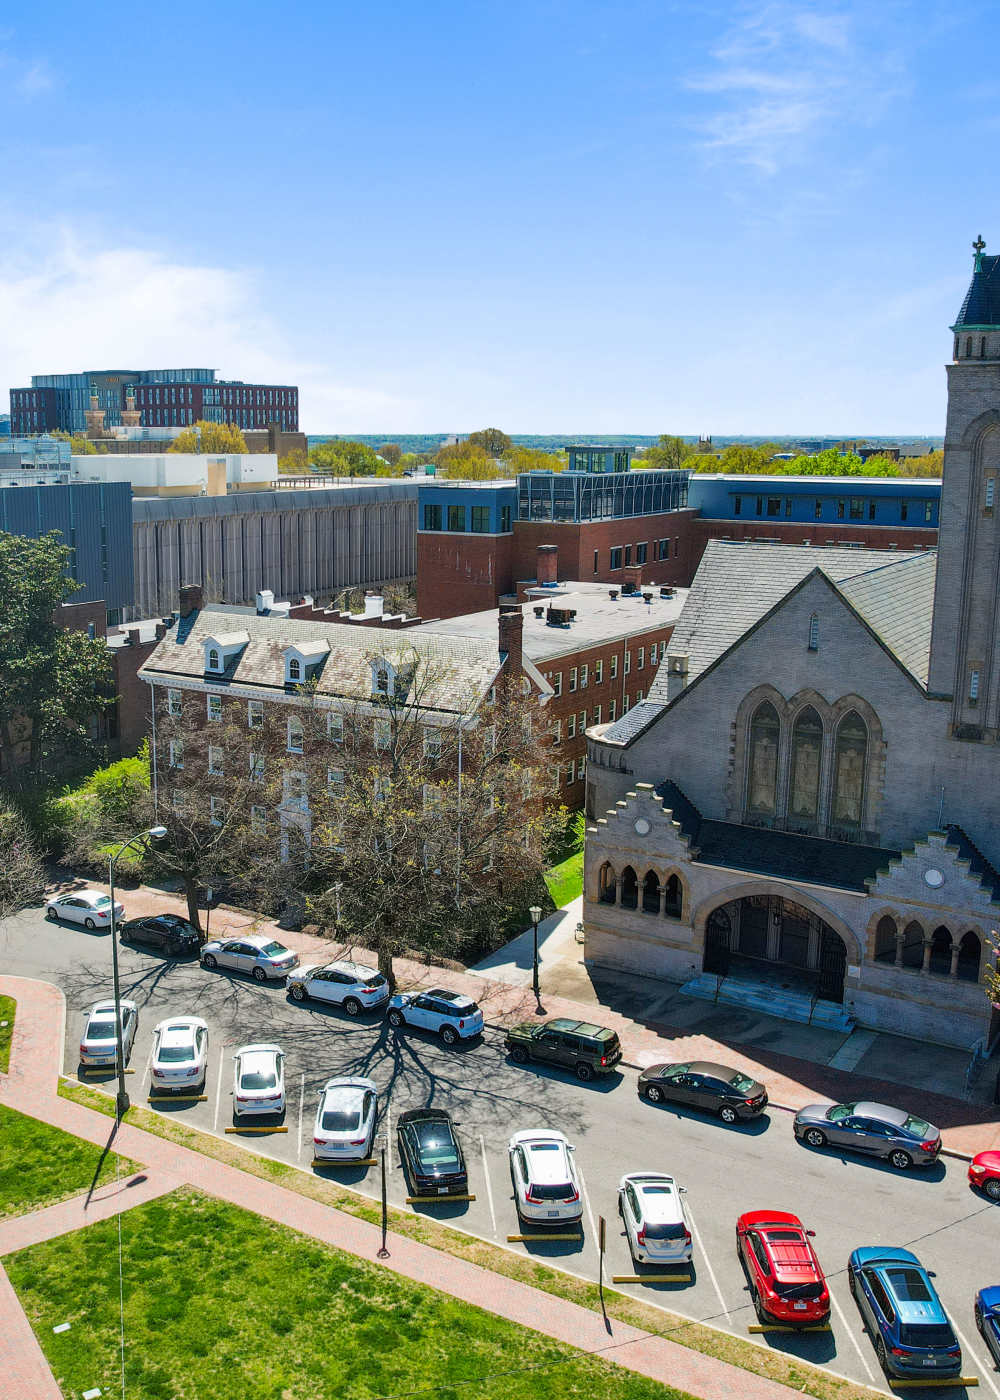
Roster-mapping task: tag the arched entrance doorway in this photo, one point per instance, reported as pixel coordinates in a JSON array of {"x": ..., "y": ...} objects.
[{"x": 763, "y": 934}]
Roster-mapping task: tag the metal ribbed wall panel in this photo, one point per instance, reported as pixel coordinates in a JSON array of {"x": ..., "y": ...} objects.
[
  {"x": 96, "y": 518},
  {"x": 307, "y": 541}
]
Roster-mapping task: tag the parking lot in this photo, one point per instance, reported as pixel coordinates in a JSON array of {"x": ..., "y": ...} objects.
[{"x": 848, "y": 1201}]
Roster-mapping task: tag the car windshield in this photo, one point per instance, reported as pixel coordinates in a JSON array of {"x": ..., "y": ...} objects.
[
  {"x": 918, "y": 1127},
  {"x": 101, "y": 1030},
  {"x": 675, "y": 1230},
  {"x": 673, "y": 1071},
  {"x": 259, "y": 1079},
  {"x": 840, "y": 1111},
  {"x": 175, "y": 1054},
  {"x": 272, "y": 950},
  {"x": 340, "y": 1120},
  {"x": 926, "y": 1334},
  {"x": 742, "y": 1083},
  {"x": 909, "y": 1285}
]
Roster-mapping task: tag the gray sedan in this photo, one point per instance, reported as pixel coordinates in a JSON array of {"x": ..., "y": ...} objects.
[
  {"x": 253, "y": 953},
  {"x": 873, "y": 1128}
]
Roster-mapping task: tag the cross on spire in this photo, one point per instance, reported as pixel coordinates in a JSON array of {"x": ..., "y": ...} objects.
[{"x": 977, "y": 248}]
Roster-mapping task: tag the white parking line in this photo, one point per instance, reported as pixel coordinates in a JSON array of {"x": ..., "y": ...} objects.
[
  {"x": 486, "y": 1178},
  {"x": 302, "y": 1095},
  {"x": 984, "y": 1370},
  {"x": 149, "y": 1061},
  {"x": 218, "y": 1088},
  {"x": 586, "y": 1201},
  {"x": 854, "y": 1341},
  {"x": 708, "y": 1264}
]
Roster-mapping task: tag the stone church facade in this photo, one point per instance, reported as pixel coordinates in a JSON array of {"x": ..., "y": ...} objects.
[{"x": 806, "y": 803}]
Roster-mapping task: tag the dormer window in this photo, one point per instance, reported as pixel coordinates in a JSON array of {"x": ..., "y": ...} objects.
[
  {"x": 381, "y": 680},
  {"x": 221, "y": 650},
  {"x": 390, "y": 682},
  {"x": 294, "y": 669},
  {"x": 303, "y": 661},
  {"x": 214, "y": 660}
]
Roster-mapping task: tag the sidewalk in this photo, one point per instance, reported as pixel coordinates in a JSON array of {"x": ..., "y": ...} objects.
[
  {"x": 31, "y": 1089},
  {"x": 657, "y": 1023}
]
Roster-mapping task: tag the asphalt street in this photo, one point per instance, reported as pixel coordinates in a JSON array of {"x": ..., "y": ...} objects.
[{"x": 848, "y": 1201}]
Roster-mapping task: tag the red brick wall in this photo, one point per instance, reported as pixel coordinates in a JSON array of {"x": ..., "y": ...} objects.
[
  {"x": 578, "y": 542},
  {"x": 461, "y": 573},
  {"x": 798, "y": 532},
  {"x": 133, "y": 707}
]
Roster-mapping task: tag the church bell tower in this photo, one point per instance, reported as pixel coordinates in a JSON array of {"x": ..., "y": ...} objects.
[{"x": 965, "y": 639}]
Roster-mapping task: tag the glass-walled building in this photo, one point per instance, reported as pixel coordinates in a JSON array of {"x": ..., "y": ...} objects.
[{"x": 577, "y": 497}]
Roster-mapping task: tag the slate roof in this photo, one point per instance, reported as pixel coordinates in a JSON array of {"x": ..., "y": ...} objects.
[
  {"x": 465, "y": 668},
  {"x": 738, "y": 584},
  {"x": 809, "y": 859},
  {"x": 981, "y": 306},
  {"x": 978, "y": 864}
]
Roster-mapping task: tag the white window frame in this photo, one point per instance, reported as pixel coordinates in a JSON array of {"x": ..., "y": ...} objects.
[
  {"x": 256, "y": 767},
  {"x": 255, "y": 714},
  {"x": 581, "y": 724},
  {"x": 612, "y": 711},
  {"x": 213, "y": 659},
  {"x": 175, "y": 703},
  {"x": 584, "y": 676},
  {"x": 217, "y": 810},
  {"x": 571, "y": 726},
  {"x": 640, "y": 659},
  {"x": 597, "y": 715},
  {"x": 432, "y": 796},
  {"x": 294, "y": 791},
  {"x": 599, "y": 672},
  {"x": 335, "y": 782},
  {"x": 614, "y": 665},
  {"x": 581, "y": 768},
  {"x": 557, "y": 732},
  {"x": 216, "y": 759},
  {"x": 572, "y": 679},
  {"x": 258, "y": 820},
  {"x": 382, "y": 735},
  {"x": 557, "y": 683},
  {"x": 294, "y": 670},
  {"x": 628, "y": 662},
  {"x": 213, "y": 709},
  {"x": 335, "y": 727},
  {"x": 432, "y": 742},
  {"x": 294, "y": 726},
  {"x": 570, "y": 773},
  {"x": 176, "y": 754}
]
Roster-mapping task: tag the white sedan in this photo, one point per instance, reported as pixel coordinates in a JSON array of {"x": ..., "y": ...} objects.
[
  {"x": 259, "y": 1085},
  {"x": 98, "y": 1043},
  {"x": 345, "y": 1120},
  {"x": 92, "y": 908},
  {"x": 180, "y": 1054}
]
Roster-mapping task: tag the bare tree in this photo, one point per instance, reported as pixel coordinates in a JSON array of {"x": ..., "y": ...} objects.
[{"x": 22, "y": 874}]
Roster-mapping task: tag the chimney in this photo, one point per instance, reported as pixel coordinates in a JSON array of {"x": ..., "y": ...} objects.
[
  {"x": 512, "y": 637},
  {"x": 632, "y": 577},
  {"x": 547, "y": 564},
  {"x": 374, "y": 605},
  {"x": 161, "y": 631},
  {"x": 191, "y": 598},
  {"x": 134, "y": 636}
]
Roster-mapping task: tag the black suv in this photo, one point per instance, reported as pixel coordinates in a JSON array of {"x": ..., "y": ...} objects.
[
  {"x": 167, "y": 931},
  {"x": 578, "y": 1045}
]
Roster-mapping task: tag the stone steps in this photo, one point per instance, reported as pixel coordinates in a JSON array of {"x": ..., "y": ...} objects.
[{"x": 787, "y": 1004}]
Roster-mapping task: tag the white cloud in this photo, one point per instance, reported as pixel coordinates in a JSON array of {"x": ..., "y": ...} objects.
[
  {"x": 786, "y": 72},
  {"x": 36, "y": 79},
  {"x": 67, "y": 304}
]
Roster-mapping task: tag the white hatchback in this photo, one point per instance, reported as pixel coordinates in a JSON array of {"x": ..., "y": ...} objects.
[
  {"x": 656, "y": 1226},
  {"x": 259, "y": 1081},
  {"x": 345, "y": 1120},
  {"x": 546, "y": 1187},
  {"x": 180, "y": 1054},
  {"x": 92, "y": 908}
]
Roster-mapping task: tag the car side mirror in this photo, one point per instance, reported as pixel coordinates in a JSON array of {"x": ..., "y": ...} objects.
[
  {"x": 811, "y": 1234},
  {"x": 931, "y": 1273},
  {"x": 571, "y": 1146},
  {"x": 682, "y": 1190}
]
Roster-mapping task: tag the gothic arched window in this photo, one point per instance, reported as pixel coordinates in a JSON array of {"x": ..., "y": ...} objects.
[
  {"x": 673, "y": 902},
  {"x": 629, "y": 898},
  {"x": 885, "y": 939},
  {"x": 849, "y": 764},
  {"x": 807, "y": 751},
  {"x": 651, "y": 893},
  {"x": 607, "y": 885},
  {"x": 762, "y": 775},
  {"x": 970, "y": 952}
]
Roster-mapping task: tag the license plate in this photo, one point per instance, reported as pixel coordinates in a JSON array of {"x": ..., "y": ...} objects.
[
  {"x": 798, "y": 1307},
  {"x": 442, "y": 1190},
  {"x": 552, "y": 1213},
  {"x": 929, "y": 1361}
]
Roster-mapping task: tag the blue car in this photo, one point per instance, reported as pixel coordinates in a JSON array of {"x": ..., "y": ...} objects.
[
  {"x": 988, "y": 1318},
  {"x": 903, "y": 1313}
]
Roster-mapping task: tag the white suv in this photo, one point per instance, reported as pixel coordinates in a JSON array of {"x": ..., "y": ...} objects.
[
  {"x": 453, "y": 1016},
  {"x": 546, "y": 1187},
  {"x": 348, "y": 984},
  {"x": 655, "y": 1224}
]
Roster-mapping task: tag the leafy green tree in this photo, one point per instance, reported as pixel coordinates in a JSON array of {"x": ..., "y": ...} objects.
[
  {"x": 79, "y": 445},
  {"x": 55, "y": 679},
  {"x": 532, "y": 459},
  {"x": 493, "y": 441},
  {"x": 392, "y": 452},
  {"x": 930, "y": 465},
  {"x": 294, "y": 463},
  {"x": 669, "y": 454},
  {"x": 468, "y": 462},
  {"x": 209, "y": 437},
  {"x": 342, "y": 457}
]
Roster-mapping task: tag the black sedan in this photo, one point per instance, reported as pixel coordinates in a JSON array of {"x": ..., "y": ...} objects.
[
  {"x": 432, "y": 1154},
  {"x": 166, "y": 931},
  {"x": 716, "y": 1088}
]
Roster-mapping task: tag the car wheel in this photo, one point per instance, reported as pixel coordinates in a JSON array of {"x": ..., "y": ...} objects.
[
  {"x": 449, "y": 1035},
  {"x": 89, "y": 923},
  {"x": 727, "y": 1113},
  {"x": 210, "y": 961},
  {"x": 352, "y": 1006},
  {"x": 992, "y": 1188},
  {"x": 901, "y": 1160},
  {"x": 978, "y": 1312},
  {"x": 814, "y": 1137},
  {"x": 584, "y": 1072},
  {"x": 395, "y": 1018},
  {"x": 880, "y": 1354},
  {"x": 852, "y": 1284},
  {"x": 518, "y": 1054},
  {"x": 654, "y": 1094},
  {"x": 258, "y": 974},
  {"x": 758, "y": 1307},
  {"x": 298, "y": 992},
  {"x": 51, "y": 914}
]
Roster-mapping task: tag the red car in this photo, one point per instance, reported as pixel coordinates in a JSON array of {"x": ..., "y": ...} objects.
[
  {"x": 786, "y": 1281},
  {"x": 984, "y": 1172}
]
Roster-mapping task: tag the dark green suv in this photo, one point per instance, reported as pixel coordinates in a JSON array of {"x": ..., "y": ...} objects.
[{"x": 577, "y": 1045}]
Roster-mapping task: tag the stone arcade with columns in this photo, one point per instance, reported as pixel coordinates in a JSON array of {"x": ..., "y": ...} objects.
[{"x": 803, "y": 814}]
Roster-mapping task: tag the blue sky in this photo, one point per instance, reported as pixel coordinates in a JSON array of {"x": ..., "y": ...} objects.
[{"x": 553, "y": 217}]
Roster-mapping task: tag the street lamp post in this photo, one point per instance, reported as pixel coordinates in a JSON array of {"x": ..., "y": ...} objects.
[
  {"x": 154, "y": 833},
  {"x": 535, "y": 914}
]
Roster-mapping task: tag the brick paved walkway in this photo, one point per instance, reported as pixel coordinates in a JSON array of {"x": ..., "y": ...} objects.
[
  {"x": 967, "y": 1128},
  {"x": 31, "y": 1089}
]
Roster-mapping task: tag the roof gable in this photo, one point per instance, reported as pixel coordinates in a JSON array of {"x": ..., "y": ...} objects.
[{"x": 981, "y": 307}]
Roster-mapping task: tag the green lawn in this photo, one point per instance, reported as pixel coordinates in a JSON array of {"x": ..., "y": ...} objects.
[
  {"x": 565, "y": 880},
  {"x": 40, "y": 1165},
  {"x": 221, "y": 1303},
  {"x": 8, "y": 1006}
]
